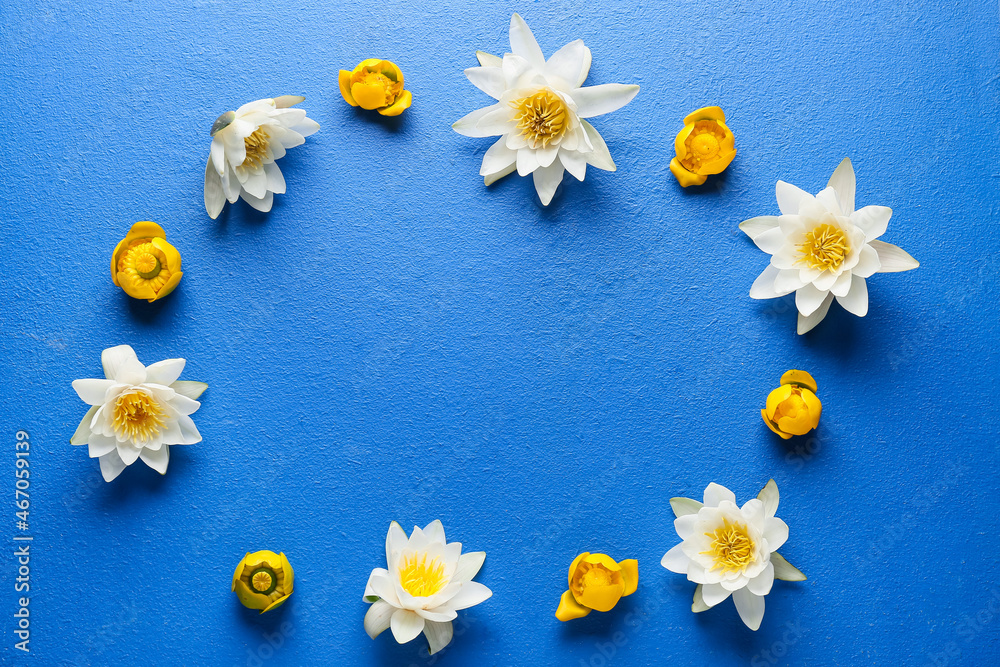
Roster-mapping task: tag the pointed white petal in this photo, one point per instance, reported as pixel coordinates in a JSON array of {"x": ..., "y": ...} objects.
[
  {"x": 527, "y": 161},
  {"x": 808, "y": 299},
  {"x": 856, "y": 301},
  {"x": 763, "y": 286},
  {"x": 808, "y": 323},
  {"x": 754, "y": 227},
  {"x": 82, "y": 433},
  {"x": 490, "y": 179},
  {"x": 466, "y": 125},
  {"x": 750, "y": 607},
  {"x": 574, "y": 162},
  {"x": 111, "y": 465},
  {"x": 377, "y": 618},
  {"x": 156, "y": 459},
  {"x": 770, "y": 497},
  {"x": 716, "y": 493},
  {"x": 770, "y": 241},
  {"x": 275, "y": 179},
  {"x": 571, "y": 63},
  {"x": 438, "y": 635},
  {"x": 497, "y": 158},
  {"x": 547, "y": 155},
  {"x": 189, "y": 388},
  {"x": 487, "y": 79},
  {"x": 675, "y": 560},
  {"x": 164, "y": 372},
  {"x": 285, "y": 101},
  {"x": 522, "y": 42},
  {"x": 605, "y": 98},
  {"x": 828, "y": 198},
  {"x": 713, "y": 594},
  {"x": 262, "y": 204},
  {"x": 469, "y": 565},
  {"x": 790, "y": 198},
  {"x": 843, "y": 183},
  {"x": 600, "y": 157},
  {"x": 471, "y": 594},
  {"x": 775, "y": 532},
  {"x": 121, "y": 365},
  {"x": 406, "y": 625},
  {"x": 98, "y": 445},
  {"x": 215, "y": 198},
  {"x": 893, "y": 258},
  {"x": 92, "y": 391},
  {"x": 547, "y": 179},
  {"x": 488, "y": 59},
  {"x": 872, "y": 220},
  {"x": 868, "y": 262}
]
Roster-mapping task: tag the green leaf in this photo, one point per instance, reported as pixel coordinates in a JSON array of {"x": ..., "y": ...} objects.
[
  {"x": 682, "y": 506},
  {"x": 784, "y": 570},
  {"x": 372, "y": 598},
  {"x": 698, "y": 605},
  {"x": 769, "y": 496}
]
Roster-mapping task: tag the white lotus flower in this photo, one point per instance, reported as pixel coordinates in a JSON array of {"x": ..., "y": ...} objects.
[
  {"x": 137, "y": 412},
  {"x": 245, "y": 144},
  {"x": 822, "y": 248},
  {"x": 728, "y": 549},
  {"x": 540, "y": 112},
  {"x": 428, "y": 580}
]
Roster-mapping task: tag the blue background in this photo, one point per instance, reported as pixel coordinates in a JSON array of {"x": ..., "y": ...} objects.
[{"x": 396, "y": 341}]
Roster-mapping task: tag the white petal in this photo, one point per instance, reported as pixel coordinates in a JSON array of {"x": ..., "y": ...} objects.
[
  {"x": 868, "y": 262},
  {"x": 675, "y": 560},
  {"x": 184, "y": 405},
  {"x": 770, "y": 497},
  {"x": 716, "y": 493},
  {"x": 256, "y": 184},
  {"x": 471, "y": 594},
  {"x": 232, "y": 137},
  {"x": 438, "y": 635},
  {"x": 98, "y": 445},
  {"x": 263, "y": 205},
  {"x": 823, "y": 282},
  {"x": 808, "y": 323},
  {"x": 496, "y": 122},
  {"x": 434, "y": 531},
  {"x": 165, "y": 372},
  {"x": 600, "y": 157},
  {"x": 497, "y": 158},
  {"x": 275, "y": 179},
  {"x": 842, "y": 285},
  {"x": 406, "y": 625},
  {"x": 285, "y": 101},
  {"x": 217, "y": 156},
  {"x": 395, "y": 542},
  {"x": 750, "y": 607},
  {"x": 843, "y": 183},
  {"x": 527, "y": 161},
  {"x": 305, "y": 127},
  {"x": 379, "y": 581},
  {"x": 754, "y": 227},
  {"x": 488, "y": 59},
  {"x": 770, "y": 241},
  {"x": 808, "y": 299},
  {"x": 605, "y": 98},
  {"x": 490, "y": 179},
  {"x": 763, "y": 286},
  {"x": 215, "y": 198},
  {"x": 775, "y": 532},
  {"x": 519, "y": 73},
  {"x": 522, "y": 42},
  {"x": 713, "y": 594},
  {"x": 684, "y": 525},
  {"x": 188, "y": 430},
  {"x": 189, "y": 388},
  {"x": 828, "y": 198},
  {"x": 872, "y": 220},
  {"x": 377, "y": 618},
  {"x": 790, "y": 197},
  {"x": 761, "y": 584},
  {"x": 547, "y": 179},
  {"x": 893, "y": 258},
  {"x": 111, "y": 465},
  {"x": 92, "y": 391},
  {"x": 469, "y": 565},
  {"x": 574, "y": 162},
  {"x": 571, "y": 63},
  {"x": 128, "y": 452},
  {"x": 82, "y": 434},
  {"x": 856, "y": 301},
  {"x": 121, "y": 365},
  {"x": 438, "y": 615},
  {"x": 466, "y": 125},
  {"x": 487, "y": 79},
  {"x": 156, "y": 459}
]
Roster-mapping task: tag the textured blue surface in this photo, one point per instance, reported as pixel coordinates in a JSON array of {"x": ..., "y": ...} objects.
[{"x": 395, "y": 341}]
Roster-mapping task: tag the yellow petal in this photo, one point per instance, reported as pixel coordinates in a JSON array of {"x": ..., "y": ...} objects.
[
  {"x": 401, "y": 104},
  {"x": 775, "y": 398},
  {"x": 683, "y": 176},
  {"x": 719, "y": 164},
  {"x": 277, "y": 603},
  {"x": 814, "y": 405},
  {"x": 705, "y": 113},
  {"x": 799, "y": 424},
  {"x": 569, "y": 609},
  {"x": 170, "y": 252},
  {"x": 145, "y": 230},
  {"x": 800, "y": 378},
  {"x": 774, "y": 427},
  {"x": 630, "y": 573},
  {"x": 390, "y": 69},
  {"x": 602, "y": 598},
  {"x": 114, "y": 260},
  {"x": 373, "y": 63},
  {"x": 239, "y": 570},
  {"x": 576, "y": 562},
  {"x": 249, "y": 598},
  {"x": 345, "y": 87},
  {"x": 289, "y": 573},
  {"x": 605, "y": 560},
  {"x": 143, "y": 291},
  {"x": 169, "y": 286},
  {"x": 368, "y": 96},
  {"x": 679, "y": 141}
]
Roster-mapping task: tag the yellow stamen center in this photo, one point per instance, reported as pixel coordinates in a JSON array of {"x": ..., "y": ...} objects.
[
  {"x": 703, "y": 144},
  {"x": 144, "y": 264},
  {"x": 256, "y": 145},
  {"x": 137, "y": 416},
  {"x": 420, "y": 577},
  {"x": 261, "y": 581},
  {"x": 541, "y": 117},
  {"x": 147, "y": 266},
  {"x": 732, "y": 549},
  {"x": 824, "y": 248}
]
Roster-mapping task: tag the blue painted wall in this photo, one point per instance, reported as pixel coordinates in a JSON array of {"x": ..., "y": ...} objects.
[{"x": 395, "y": 341}]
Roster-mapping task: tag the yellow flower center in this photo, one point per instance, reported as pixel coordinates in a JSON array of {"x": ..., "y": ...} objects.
[
  {"x": 137, "y": 416},
  {"x": 824, "y": 248},
  {"x": 144, "y": 264},
  {"x": 420, "y": 577},
  {"x": 732, "y": 549},
  {"x": 256, "y": 145},
  {"x": 704, "y": 144},
  {"x": 542, "y": 118},
  {"x": 261, "y": 581}
]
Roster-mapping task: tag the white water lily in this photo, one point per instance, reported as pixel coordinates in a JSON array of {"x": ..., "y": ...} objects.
[
  {"x": 245, "y": 144},
  {"x": 822, "y": 248},
  {"x": 727, "y": 549},
  {"x": 540, "y": 112},
  {"x": 136, "y": 412},
  {"x": 428, "y": 580}
]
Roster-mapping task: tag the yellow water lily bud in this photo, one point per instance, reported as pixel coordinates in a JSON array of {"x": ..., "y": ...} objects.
[
  {"x": 144, "y": 264},
  {"x": 596, "y": 581},
  {"x": 705, "y": 146},
  {"x": 375, "y": 84},
  {"x": 263, "y": 580},
  {"x": 793, "y": 408}
]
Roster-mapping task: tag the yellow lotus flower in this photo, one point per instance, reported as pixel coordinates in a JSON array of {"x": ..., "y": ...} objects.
[
  {"x": 705, "y": 146},
  {"x": 376, "y": 84},
  {"x": 596, "y": 581},
  {"x": 263, "y": 580},
  {"x": 793, "y": 408},
  {"x": 144, "y": 264}
]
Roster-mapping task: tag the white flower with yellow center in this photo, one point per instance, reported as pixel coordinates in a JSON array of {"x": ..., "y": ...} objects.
[
  {"x": 427, "y": 581},
  {"x": 728, "y": 549},
  {"x": 822, "y": 248},
  {"x": 245, "y": 144},
  {"x": 540, "y": 112},
  {"x": 137, "y": 412}
]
